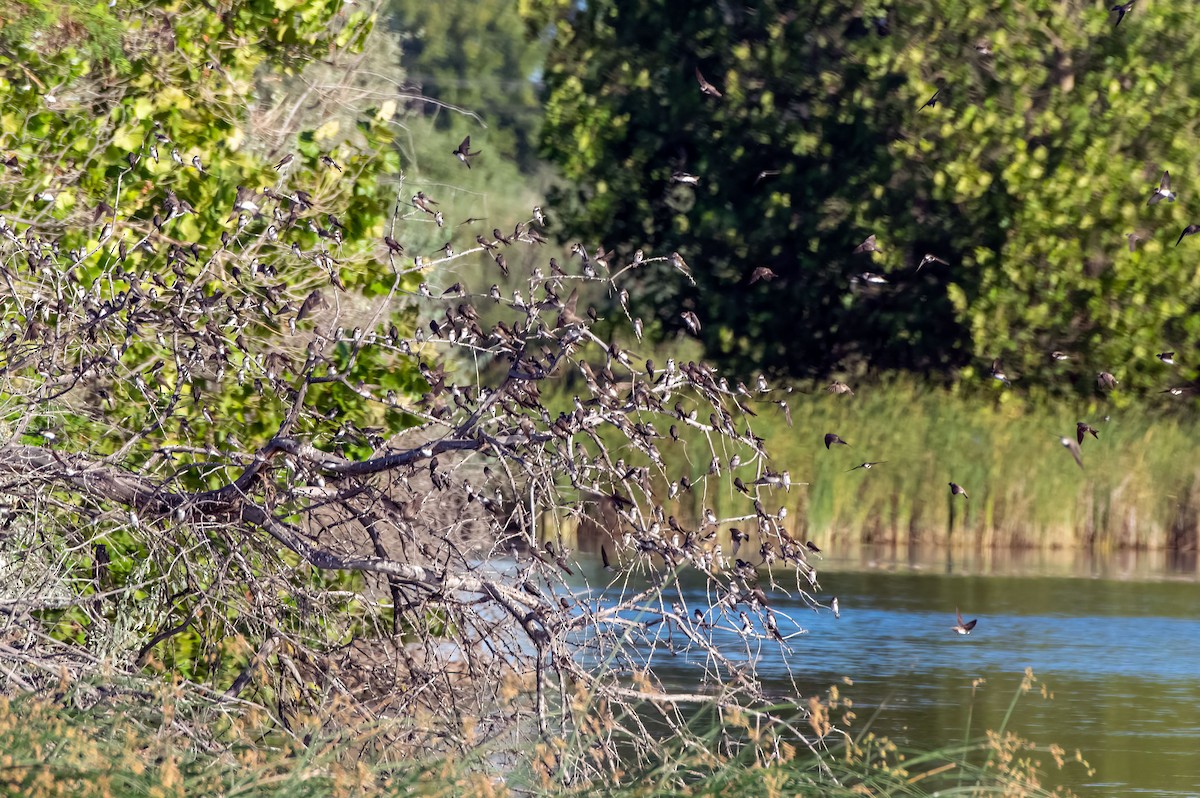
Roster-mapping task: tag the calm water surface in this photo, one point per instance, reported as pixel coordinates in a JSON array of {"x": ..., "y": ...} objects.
[{"x": 1116, "y": 640}]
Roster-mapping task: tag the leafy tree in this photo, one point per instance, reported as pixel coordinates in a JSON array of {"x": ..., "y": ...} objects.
[
  {"x": 474, "y": 63},
  {"x": 204, "y": 371},
  {"x": 1051, "y": 126}
]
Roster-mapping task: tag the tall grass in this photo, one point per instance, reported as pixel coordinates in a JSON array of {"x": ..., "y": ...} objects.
[
  {"x": 1139, "y": 487},
  {"x": 53, "y": 747}
]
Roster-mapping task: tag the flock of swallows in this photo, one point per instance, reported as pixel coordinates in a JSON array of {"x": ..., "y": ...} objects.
[{"x": 249, "y": 204}]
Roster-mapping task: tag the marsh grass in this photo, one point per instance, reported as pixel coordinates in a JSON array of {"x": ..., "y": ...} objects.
[{"x": 1139, "y": 488}]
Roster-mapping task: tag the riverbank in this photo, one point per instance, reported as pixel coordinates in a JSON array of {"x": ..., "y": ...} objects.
[{"x": 58, "y": 749}]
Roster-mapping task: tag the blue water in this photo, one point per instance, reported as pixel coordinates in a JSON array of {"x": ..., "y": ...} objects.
[{"x": 1117, "y": 649}]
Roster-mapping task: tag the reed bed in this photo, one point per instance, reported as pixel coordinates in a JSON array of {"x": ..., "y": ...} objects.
[{"x": 1139, "y": 487}]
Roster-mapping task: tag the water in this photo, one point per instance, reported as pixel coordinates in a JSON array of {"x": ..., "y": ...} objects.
[{"x": 1115, "y": 640}]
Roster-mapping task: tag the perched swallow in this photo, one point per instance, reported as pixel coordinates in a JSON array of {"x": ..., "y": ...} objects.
[
  {"x": 808, "y": 544},
  {"x": 560, "y": 558},
  {"x": 538, "y": 216},
  {"x": 463, "y": 152},
  {"x": 680, "y": 265},
  {"x": 1122, "y": 9},
  {"x": 423, "y": 203},
  {"x": 1166, "y": 357},
  {"x": 1163, "y": 192},
  {"x": 448, "y": 249},
  {"x": 931, "y": 258},
  {"x": 998, "y": 373},
  {"x": 1082, "y": 428},
  {"x": 867, "y": 246},
  {"x": 963, "y": 627},
  {"x": 932, "y": 101},
  {"x": 285, "y": 163},
  {"x": 197, "y": 164},
  {"x": 866, "y": 465},
  {"x": 762, "y": 273},
  {"x": 393, "y": 245},
  {"x": 246, "y": 200},
  {"x": 1190, "y": 230},
  {"x": 685, "y": 178},
  {"x": 838, "y": 387},
  {"x": 831, "y": 438},
  {"x": 1073, "y": 447},
  {"x": 1106, "y": 381},
  {"x": 958, "y": 490},
  {"x": 705, "y": 86},
  {"x": 604, "y": 558}
]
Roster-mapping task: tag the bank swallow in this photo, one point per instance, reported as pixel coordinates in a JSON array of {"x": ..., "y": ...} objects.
[
  {"x": 692, "y": 321},
  {"x": 705, "y": 86},
  {"x": 1163, "y": 192},
  {"x": 997, "y": 372},
  {"x": 931, "y": 258},
  {"x": 1073, "y": 447},
  {"x": 463, "y": 152},
  {"x": 963, "y": 627},
  {"x": 1122, "y": 9},
  {"x": 867, "y": 245},
  {"x": 762, "y": 273}
]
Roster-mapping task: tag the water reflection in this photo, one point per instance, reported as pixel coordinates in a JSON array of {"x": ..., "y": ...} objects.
[{"x": 1115, "y": 639}]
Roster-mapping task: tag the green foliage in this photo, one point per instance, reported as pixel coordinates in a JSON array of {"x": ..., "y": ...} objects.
[
  {"x": 473, "y": 59},
  {"x": 181, "y": 83},
  {"x": 1052, "y": 128},
  {"x": 93, "y": 102}
]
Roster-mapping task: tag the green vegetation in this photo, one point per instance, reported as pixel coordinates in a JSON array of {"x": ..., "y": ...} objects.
[
  {"x": 139, "y": 98},
  {"x": 475, "y": 69},
  {"x": 1051, "y": 129},
  {"x": 136, "y": 747},
  {"x": 1140, "y": 485}
]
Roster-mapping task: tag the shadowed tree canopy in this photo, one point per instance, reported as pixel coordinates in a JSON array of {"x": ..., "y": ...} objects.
[{"x": 1018, "y": 144}]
